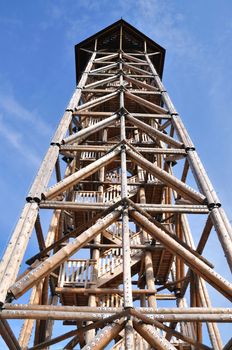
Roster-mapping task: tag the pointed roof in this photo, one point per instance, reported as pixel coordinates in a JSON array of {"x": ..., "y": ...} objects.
[{"x": 108, "y": 40}]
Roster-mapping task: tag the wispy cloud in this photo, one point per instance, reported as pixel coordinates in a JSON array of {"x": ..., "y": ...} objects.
[
  {"x": 14, "y": 109},
  {"x": 21, "y": 128},
  {"x": 15, "y": 140}
]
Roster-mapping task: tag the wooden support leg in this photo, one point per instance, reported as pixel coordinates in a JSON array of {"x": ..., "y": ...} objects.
[
  {"x": 129, "y": 335},
  {"x": 50, "y": 323},
  {"x": 8, "y": 336},
  {"x": 148, "y": 263},
  {"x": 27, "y": 327},
  {"x": 14, "y": 253}
]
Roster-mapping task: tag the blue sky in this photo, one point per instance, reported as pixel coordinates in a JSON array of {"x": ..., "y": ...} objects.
[{"x": 37, "y": 77}]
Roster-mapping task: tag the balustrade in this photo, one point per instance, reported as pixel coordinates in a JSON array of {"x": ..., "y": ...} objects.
[
  {"x": 77, "y": 272},
  {"x": 80, "y": 272}
]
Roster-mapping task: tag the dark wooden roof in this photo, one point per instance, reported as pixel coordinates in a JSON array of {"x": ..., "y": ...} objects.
[{"x": 108, "y": 40}]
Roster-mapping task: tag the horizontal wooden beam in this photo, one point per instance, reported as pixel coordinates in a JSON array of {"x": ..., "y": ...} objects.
[
  {"x": 105, "y": 291},
  {"x": 151, "y": 208},
  {"x": 143, "y": 310},
  {"x": 137, "y": 115},
  {"x": 85, "y": 316}
]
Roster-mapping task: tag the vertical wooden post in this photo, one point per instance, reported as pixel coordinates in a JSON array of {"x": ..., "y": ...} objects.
[
  {"x": 127, "y": 284},
  {"x": 148, "y": 263}
]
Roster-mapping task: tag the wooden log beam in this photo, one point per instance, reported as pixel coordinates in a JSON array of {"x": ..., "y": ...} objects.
[
  {"x": 98, "y": 309},
  {"x": 76, "y": 333},
  {"x": 39, "y": 233},
  {"x": 154, "y": 132},
  {"x": 145, "y": 103},
  {"x": 170, "y": 180},
  {"x": 140, "y": 83},
  {"x": 45, "y": 171},
  {"x": 136, "y": 69},
  {"x": 73, "y": 233},
  {"x": 132, "y": 58},
  {"x": 80, "y": 148},
  {"x": 47, "y": 266},
  {"x": 127, "y": 285},
  {"x": 205, "y": 235},
  {"x": 8, "y": 336},
  {"x": 219, "y": 218},
  {"x": 96, "y": 102},
  {"x": 16, "y": 247},
  {"x": 137, "y": 115},
  {"x": 101, "y": 82},
  {"x": 22, "y": 232},
  {"x": 107, "y": 67},
  {"x": 81, "y": 174},
  {"x": 103, "y": 338},
  {"x": 85, "y": 316},
  {"x": 168, "y": 330},
  {"x": 151, "y": 208},
  {"x": 151, "y": 335},
  {"x": 223, "y": 233},
  {"x": 26, "y": 330},
  {"x": 213, "y": 331},
  {"x": 82, "y": 134},
  {"x": 98, "y": 324},
  {"x": 104, "y": 291},
  {"x": 197, "y": 265},
  {"x": 105, "y": 57},
  {"x": 172, "y": 235}
]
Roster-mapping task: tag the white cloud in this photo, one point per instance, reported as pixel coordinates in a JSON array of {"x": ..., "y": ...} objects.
[
  {"x": 15, "y": 139},
  {"x": 14, "y": 109}
]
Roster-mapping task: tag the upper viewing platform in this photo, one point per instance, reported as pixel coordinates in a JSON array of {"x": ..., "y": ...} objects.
[{"x": 108, "y": 40}]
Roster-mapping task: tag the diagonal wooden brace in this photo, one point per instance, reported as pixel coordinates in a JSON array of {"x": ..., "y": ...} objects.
[
  {"x": 97, "y": 101},
  {"x": 46, "y": 267},
  {"x": 201, "y": 268},
  {"x": 184, "y": 190},
  {"x": 154, "y": 132},
  {"x": 151, "y": 335},
  {"x": 80, "y": 135},
  {"x": 81, "y": 174},
  {"x": 103, "y": 338},
  {"x": 145, "y": 103}
]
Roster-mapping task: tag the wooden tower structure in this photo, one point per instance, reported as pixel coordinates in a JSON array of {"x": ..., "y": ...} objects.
[{"x": 117, "y": 267}]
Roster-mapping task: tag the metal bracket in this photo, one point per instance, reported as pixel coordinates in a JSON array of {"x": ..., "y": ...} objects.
[{"x": 187, "y": 149}]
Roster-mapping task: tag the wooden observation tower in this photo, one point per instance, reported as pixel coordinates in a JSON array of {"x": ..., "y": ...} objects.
[{"x": 117, "y": 267}]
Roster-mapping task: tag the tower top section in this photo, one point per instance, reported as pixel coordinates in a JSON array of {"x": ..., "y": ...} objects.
[{"x": 108, "y": 40}]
